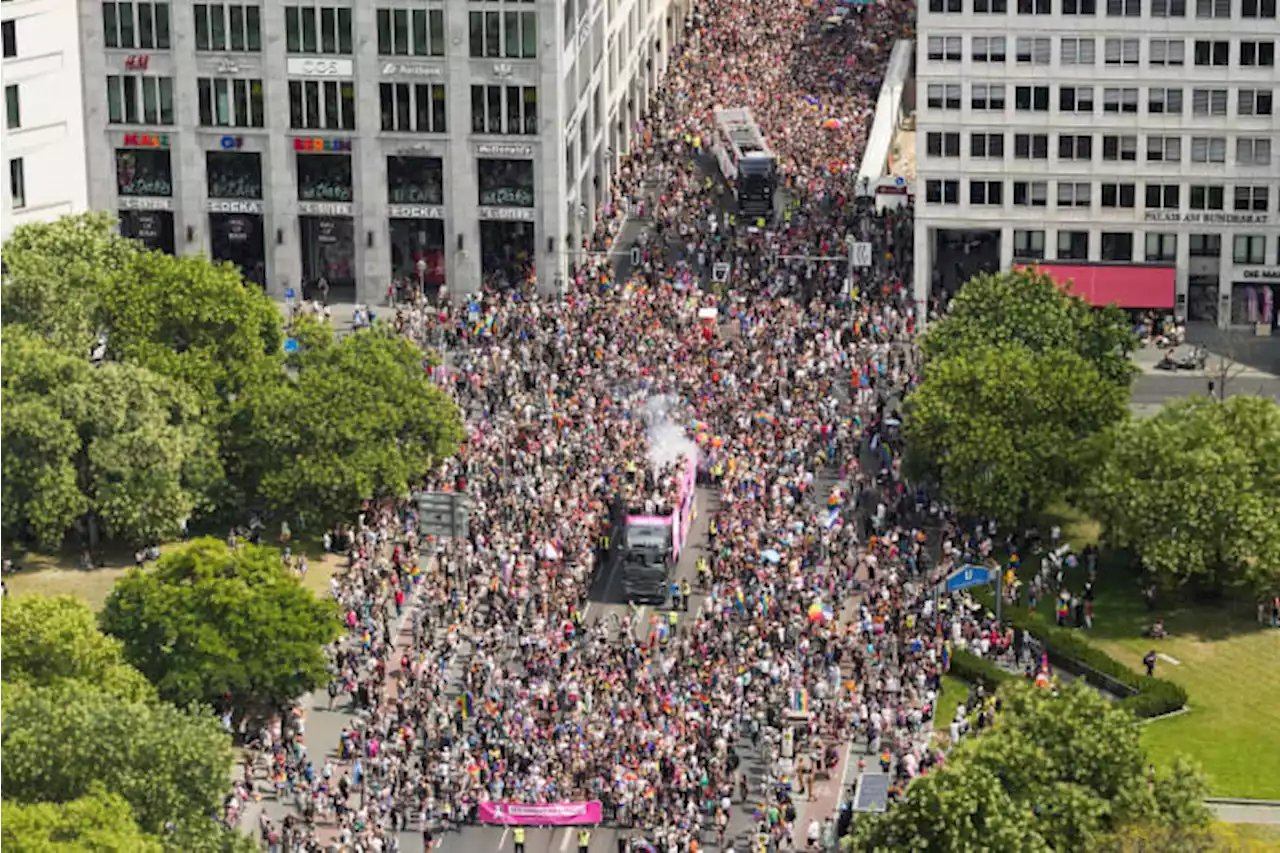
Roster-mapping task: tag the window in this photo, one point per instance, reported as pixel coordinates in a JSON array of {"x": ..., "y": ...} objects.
[
  {"x": 317, "y": 29},
  {"x": 230, "y": 103},
  {"x": 324, "y": 177},
  {"x": 944, "y": 97},
  {"x": 1079, "y": 7},
  {"x": 1164, "y": 149},
  {"x": 1075, "y": 99},
  {"x": 1206, "y": 245},
  {"x": 1162, "y": 197},
  {"x": 942, "y": 192},
  {"x": 1121, "y": 51},
  {"x": 144, "y": 172},
  {"x": 1031, "y": 146},
  {"x": 1034, "y": 51},
  {"x": 1030, "y": 193},
  {"x": 1254, "y": 102},
  {"x": 1075, "y": 147},
  {"x": 1209, "y": 102},
  {"x": 1074, "y": 194},
  {"x": 1124, "y": 8},
  {"x": 17, "y": 183},
  {"x": 1163, "y": 52},
  {"x": 135, "y": 99},
  {"x": 1258, "y": 9},
  {"x": 1253, "y": 151},
  {"x": 228, "y": 27},
  {"x": 1168, "y": 8},
  {"x": 1122, "y": 148},
  {"x": 1213, "y": 8},
  {"x": 1074, "y": 51},
  {"x": 1117, "y": 246},
  {"x": 12, "y": 107},
  {"x": 984, "y": 96},
  {"x": 940, "y": 144},
  {"x": 1073, "y": 245},
  {"x": 1028, "y": 245},
  {"x": 505, "y": 35},
  {"x": 520, "y": 113},
  {"x": 411, "y": 32},
  {"x": 986, "y": 145},
  {"x": 1260, "y": 54},
  {"x": 415, "y": 180},
  {"x": 988, "y": 49},
  {"x": 1207, "y": 197},
  {"x": 9, "y": 30},
  {"x": 317, "y": 104},
  {"x": 986, "y": 192},
  {"x": 1162, "y": 247},
  {"x": 413, "y": 107},
  {"x": 1119, "y": 195},
  {"x": 233, "y": 174},
  {"x": 136, "y": 25},
  {"x": 990, "y": 7},
  {"x": 1033, "y": 98},
  {"x": 1256, "y": 199},
  {"x": 1164, "y": 101},
  {"x": 944, "y": 48},
  {"x": 1119, "y": 100},
  {"x": 505, "y": 183},
  {"x": 940, "y": 6},
  {"x": 1208, "y": 149},
  {"x": 1249, "y": 249},
  {"x": 1035, "y": 7},
  {"x": 1212, "y": 52}
]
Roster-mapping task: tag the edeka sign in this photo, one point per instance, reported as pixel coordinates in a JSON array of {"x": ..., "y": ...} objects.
[
  {"x": 1198, "y": 217},
  {"x": 508, "y": 214},
  {"x": 322, "y": 145},
  {"x": 146, "y": 140},
  {"x": 226, "y": 206},
  {"x": 542, "y": 814},
  {"x": 414, "y": 211}
]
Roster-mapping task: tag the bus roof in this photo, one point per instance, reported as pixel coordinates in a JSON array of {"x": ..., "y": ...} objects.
[{"x": 742, "y": 130}]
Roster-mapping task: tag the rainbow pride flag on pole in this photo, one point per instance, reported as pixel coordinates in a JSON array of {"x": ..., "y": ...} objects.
[{"x": 800, "y": 700}]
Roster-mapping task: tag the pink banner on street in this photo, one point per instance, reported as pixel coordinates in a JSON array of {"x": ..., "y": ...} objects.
[{"x": 541, "y": 814}]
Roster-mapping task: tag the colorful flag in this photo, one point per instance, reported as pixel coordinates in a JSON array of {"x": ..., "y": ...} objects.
[
  {"x": 946, "y": 656},
  {"x": 740, "y": 600},
  {"x": 800, "y": 700},
  {"x": 467, "y": 703}
]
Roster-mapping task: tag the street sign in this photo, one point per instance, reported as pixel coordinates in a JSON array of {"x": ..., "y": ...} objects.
[
  {"x": 635, "y": 257},
  {"x": 443, "y": 515},
  {"x": 967, "y": 576},
  {"x": 290, "y": 345},
  {"x": 720, "y": 272},
  {"x": 289, "y": 293},
  {"x": 860, "y": 254}
]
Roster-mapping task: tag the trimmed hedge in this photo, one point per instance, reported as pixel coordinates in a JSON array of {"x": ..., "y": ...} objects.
[{"x": 967, "y": 666}]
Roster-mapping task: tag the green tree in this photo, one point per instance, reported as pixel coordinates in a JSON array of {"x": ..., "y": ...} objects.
[
  {"x": 1058, "y": 771},
  {"x": 360, "y": 419},
  {"x": 1195, "y": 492},
  {"x": 231, "y": 627},
  {"x": 60, "y": 743},
  {"x": 1026, "y": 307},
  {"x": 1004, "y": 429},
  {"x": 95, "y": 823}
]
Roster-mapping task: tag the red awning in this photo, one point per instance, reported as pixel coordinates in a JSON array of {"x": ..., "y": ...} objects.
[{"x": 1128, "y": 286}]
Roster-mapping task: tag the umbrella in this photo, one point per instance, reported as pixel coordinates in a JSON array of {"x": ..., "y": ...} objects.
[
  {"x": 771, "y": 556},
  {"x": 833, "y": 124}
]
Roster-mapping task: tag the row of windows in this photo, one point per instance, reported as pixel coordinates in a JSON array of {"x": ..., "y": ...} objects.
[
  {"x": 1080, "y": 147},
  {"x": 1119, "y": 246},
  {"x": 505, "y": 34},
  {"x": 1216, "y": 9},
  {"x": 313, "y": 105},
  {"x": 1073, "y": 50},
  {"x": 1160, "y": 100},
  {"x": 1118, "y": 194}
]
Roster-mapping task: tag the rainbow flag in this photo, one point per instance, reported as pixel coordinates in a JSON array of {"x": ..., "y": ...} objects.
[
  {"x": 946, "y": 656},
  {"x": 467, "y": 704},
  {"x": 800, "y": 700},
  {"x": 740, "y": 600}
]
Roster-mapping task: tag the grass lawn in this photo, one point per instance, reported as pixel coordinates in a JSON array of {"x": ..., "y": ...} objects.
[
  {"x": 954, "y": 692},
  {"x": 1227, "y": 664}
]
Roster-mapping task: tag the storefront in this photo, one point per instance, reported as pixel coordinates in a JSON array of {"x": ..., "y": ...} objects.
[
  {"x": 233, "y": 179},
  {"x": 1255, "y": 297},
  {"x": 508, "y": 246},
  {"x": 144, "y": 184},
  {"x": 326, "y": 226}
]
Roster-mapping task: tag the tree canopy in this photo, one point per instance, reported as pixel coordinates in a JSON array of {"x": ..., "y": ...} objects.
[
  {"x": 1195, "y": 492},
  {"x": 1056, "y": 772},
  {"x": 1004, "y": 429},
  {"x": 230, "y": 627},
  {"x": 95, "y": 823},
  {"x": 1026, "y": 307}
]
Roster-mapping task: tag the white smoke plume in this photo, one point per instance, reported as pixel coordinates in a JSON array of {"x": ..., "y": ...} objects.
[{"x": 667, "y": 439}]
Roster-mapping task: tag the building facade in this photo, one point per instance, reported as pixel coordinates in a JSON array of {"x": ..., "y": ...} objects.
[
  {"x": 430, "y": 141},
  {"x": 1130, "y": 145},
  {"x": 42, "y": 140}
]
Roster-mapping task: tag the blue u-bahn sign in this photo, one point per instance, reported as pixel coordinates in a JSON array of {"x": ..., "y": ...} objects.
[{"x": 968, "y": 576}]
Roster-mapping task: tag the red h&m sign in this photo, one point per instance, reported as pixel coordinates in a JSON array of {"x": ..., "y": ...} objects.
[{"x": 137, "y": 62}]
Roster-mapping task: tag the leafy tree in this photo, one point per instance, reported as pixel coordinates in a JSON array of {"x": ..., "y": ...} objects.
[
  {"x": 1195, "y": 492},
  {"x": 95, "y": 823},
  {"x": 360, "y": 419},
  {"x": 1058, "y": 771},
  {"x": 231, "y": 627},
  {"x": 60, "y": 743},
  {"x": 1026, "y": 307},
  {"x": 1003, "y": 429},
  {"x": 52, "y": 640}
]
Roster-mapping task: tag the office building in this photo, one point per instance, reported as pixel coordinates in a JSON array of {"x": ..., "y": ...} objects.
[{"x": 1130, "y": 146}]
